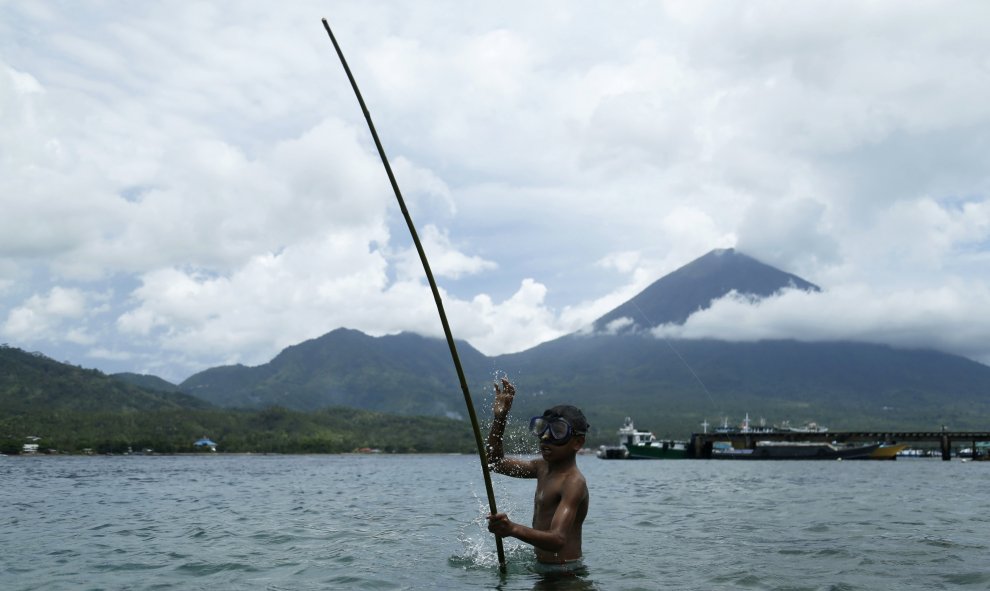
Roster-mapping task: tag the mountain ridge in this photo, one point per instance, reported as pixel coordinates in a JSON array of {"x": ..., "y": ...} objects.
[
  {"x": 670, "y": 383},
  {"x": 343, "y": 367},
  {"x": 29, "y": 381}
]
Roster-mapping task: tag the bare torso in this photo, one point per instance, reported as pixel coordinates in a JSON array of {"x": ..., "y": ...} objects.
[{"x": 550, "y": 486}]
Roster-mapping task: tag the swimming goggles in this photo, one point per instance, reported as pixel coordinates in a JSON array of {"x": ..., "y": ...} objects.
[{"x": 558, "y": 427}]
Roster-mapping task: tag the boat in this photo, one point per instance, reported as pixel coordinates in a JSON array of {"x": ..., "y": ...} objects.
[
  {"x": 745, "y": 427},
  {"x": 613, "y": 452},
  {"x": 642, "y": 445},
  {"x": 658, "y": 450},
  {"x": 809, "y": 427},
  {"x": 793, "y": 450},
  {"x": 887, "y": 451},
  {"x": 619, "y": 452}
]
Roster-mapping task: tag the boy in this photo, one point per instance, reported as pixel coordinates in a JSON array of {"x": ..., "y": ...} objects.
[{"x": 561, "y": 501}]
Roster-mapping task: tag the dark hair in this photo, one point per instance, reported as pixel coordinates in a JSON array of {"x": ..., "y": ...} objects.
[{"x": 572, "y": 415}]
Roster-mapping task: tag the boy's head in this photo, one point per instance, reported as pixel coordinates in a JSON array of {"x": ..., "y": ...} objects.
[
  {"x": 571, "y": 414},
  {"x": 562, "y": 426}
]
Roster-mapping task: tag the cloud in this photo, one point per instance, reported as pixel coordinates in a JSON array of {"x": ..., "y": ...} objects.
[
  {"x": 44, "y": 317},
  {"x": 301, "y": 292},
  {"x": 205, "y": 180},
  {"x": 770, "y": 229},
  {"x": 906, "y": 319},
  {"x": 444, "y": 259}
]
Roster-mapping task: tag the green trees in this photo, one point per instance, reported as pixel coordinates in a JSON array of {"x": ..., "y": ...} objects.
[
  {"x": 272, "y": 430},
  {"x": 10, "y": 446}
]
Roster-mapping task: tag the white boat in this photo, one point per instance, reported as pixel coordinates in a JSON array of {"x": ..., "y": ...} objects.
[{"x": 809, "y": 427}]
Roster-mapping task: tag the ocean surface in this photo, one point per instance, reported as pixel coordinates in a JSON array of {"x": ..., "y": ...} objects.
[{"x": 416, "y": 522}]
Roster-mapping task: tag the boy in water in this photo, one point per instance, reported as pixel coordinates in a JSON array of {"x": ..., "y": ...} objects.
[{"x": 561, "y": 501}]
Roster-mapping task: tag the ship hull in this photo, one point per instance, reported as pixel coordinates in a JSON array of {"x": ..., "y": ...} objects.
[
  {"x": 783, "y": 451},
  {"x": 657, "y": 452}
]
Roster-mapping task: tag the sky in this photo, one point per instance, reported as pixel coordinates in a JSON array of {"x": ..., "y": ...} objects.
[{"x": 185, "y": 185}]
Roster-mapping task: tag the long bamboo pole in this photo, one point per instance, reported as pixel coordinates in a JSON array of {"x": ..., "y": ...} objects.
[{"x": 433, "y": 286}]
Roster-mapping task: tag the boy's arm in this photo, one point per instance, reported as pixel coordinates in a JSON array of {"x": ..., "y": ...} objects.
[
  {"x": 496, "y": 451},
  {"x": 555, "y": 538}
]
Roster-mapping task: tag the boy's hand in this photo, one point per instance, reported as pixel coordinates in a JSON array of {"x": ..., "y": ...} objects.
[
  {"x": 500, "y": 525},
  {"x": 503, "y": 398}
]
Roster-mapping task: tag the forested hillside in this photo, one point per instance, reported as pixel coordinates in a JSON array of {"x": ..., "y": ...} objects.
[{"x": 68, "y": 409}]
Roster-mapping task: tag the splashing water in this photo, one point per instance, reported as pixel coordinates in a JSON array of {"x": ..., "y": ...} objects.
[
  {"x": 478, "y": 544},
  {"x": 516, "y": 440}
]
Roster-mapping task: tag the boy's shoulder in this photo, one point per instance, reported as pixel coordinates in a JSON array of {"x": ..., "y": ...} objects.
[{"x": 572, "y": 474}]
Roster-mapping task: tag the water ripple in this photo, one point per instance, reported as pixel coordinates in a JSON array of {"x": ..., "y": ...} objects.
[{"x": 412, "y": 522}]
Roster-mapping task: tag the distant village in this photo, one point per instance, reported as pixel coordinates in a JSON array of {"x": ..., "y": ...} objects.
[{"x": 32, "y": 446}]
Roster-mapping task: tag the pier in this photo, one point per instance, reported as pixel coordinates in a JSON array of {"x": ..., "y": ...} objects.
[{"x": 701, "y": 444}]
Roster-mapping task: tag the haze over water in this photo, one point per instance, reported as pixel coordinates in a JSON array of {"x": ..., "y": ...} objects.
[{"x": 415, "y": 522}]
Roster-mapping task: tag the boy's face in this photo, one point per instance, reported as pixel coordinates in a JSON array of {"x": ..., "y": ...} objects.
[
  {"x": 551, "y": 452},
  {"x": 558, "y": 439}
]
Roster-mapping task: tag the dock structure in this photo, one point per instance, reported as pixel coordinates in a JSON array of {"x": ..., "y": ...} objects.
[{"x": 701, "y": 444}]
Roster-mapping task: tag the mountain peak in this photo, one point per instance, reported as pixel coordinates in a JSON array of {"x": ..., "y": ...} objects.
[{"x": 674, "y": 297}]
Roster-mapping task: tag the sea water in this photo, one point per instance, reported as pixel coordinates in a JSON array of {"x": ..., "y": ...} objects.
[{"x": 416, "y": 522}]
